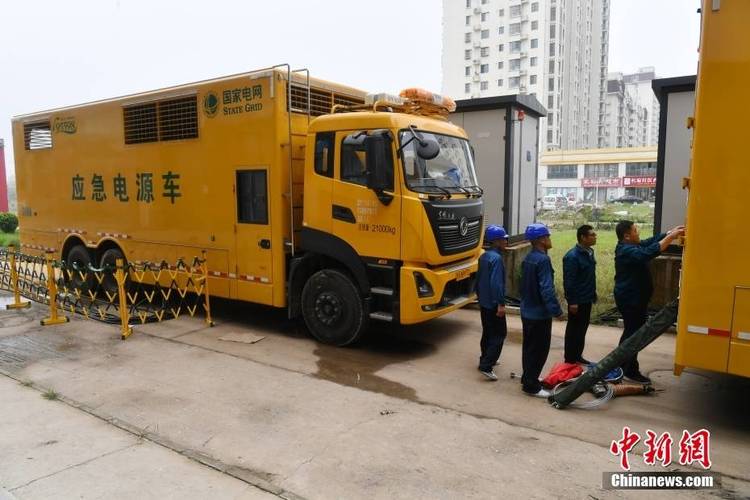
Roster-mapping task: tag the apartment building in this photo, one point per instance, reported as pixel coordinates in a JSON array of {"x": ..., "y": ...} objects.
[
  {"x": 631, "y": 117},
  {"x": 555, "y": 50}
]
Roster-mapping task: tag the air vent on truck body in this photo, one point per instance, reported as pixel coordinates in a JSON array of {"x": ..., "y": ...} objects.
[
  {"x": 167, "y": 120},
  {"x": 321, "y": 101},
  {"x": 178, "y": 119},
  {"x": 140, "y": 123},
  {"x": 37, "y": 135}
]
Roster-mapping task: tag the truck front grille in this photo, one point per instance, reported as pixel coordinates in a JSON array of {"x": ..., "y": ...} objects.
[{"x": 450, "y": 239}]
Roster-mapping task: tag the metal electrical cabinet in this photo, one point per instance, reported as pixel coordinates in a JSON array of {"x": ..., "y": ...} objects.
[
  {"x": 504, "y": 132},
  {"x": 676, "y": 104}
]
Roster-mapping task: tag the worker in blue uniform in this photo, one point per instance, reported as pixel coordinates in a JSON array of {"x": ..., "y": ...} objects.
[
  {"x": 579, "y": 283},
  {"x": 539, "y": 305},
  {"x": 490, "y": 289},
  {"x": 633, "y": 286}
]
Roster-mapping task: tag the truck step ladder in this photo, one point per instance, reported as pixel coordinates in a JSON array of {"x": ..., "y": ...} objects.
[{"x": 381, "y": 316}]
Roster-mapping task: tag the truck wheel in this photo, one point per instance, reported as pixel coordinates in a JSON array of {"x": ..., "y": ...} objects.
[
  {"x": 79, "y": 257},
  {"x": 333, "y": 309},
  {"x": 109, "y": 259}
]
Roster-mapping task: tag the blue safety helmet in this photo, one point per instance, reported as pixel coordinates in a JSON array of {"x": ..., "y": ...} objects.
[
  {"x": 536, "y": 231},
  {"x": 495, "y": 232}
]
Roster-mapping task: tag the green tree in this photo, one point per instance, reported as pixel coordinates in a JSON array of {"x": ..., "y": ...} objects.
[{"x": 8, "y": 222}]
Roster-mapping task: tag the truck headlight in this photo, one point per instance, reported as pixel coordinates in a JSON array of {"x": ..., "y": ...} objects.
[{"x": 424, "y": 289}]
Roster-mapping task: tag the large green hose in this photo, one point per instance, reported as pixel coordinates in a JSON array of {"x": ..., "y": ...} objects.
[{"x": 646, "y": 334}]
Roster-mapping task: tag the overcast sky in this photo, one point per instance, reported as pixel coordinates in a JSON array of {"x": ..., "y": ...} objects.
[{"x": 55, "y": 53}]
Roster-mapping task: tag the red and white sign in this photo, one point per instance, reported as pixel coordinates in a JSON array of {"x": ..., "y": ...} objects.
[
  {"x": 639, "y": 181},
  {"x": 601, "y": 182},
  {"x": 693, "y": 447}
]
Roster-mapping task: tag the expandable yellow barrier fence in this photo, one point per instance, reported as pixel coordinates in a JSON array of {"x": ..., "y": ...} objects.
[{"x": 141, "y": 292}]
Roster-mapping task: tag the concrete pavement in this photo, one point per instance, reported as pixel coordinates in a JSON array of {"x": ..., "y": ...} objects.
[
  {"x": 53, "y": 450},
  {"x": 405, "y": 415}
]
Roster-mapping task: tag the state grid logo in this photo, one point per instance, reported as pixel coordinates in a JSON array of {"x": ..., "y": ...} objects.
[{"x": 210, "y": 104}]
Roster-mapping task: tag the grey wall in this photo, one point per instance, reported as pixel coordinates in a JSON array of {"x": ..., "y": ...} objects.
[
  {"x": 527, "y": 164},
  {"x": 680, "y": 106},
  {"x": 486, "y": 130}
]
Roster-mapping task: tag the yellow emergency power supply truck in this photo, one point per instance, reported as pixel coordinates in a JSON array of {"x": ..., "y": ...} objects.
[
  {"x": 713, "y": 331},
  {"x": 312, "y": 196}
]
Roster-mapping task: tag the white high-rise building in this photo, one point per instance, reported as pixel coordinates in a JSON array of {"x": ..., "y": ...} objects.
[
  {"x": 555, "y": 50},
  {"x": 639, "y": 86},
  {"x": 632, "y": 111}
]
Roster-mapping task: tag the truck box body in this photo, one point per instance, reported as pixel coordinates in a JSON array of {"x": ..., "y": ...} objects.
[
  {"x": 157, "y": 173},
  {"x": 714, "y": 322}
]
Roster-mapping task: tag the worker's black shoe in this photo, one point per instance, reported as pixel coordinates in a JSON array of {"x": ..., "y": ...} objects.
[
  {"x": 638, "y": 378},
  {"x": 584, "y": 361}
]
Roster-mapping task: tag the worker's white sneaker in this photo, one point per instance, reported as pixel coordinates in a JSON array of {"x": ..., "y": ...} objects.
[
  {"x": 489, "y": 374},
  {"x": 543, "y": 393}
]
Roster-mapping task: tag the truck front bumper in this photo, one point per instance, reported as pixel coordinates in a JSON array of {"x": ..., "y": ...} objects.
[{"x": 451, "y": 287}]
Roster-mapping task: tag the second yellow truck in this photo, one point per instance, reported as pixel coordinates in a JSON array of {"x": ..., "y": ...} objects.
[
  {"x": 306, "y": 195},
  {"x": 713, "y": 331}
]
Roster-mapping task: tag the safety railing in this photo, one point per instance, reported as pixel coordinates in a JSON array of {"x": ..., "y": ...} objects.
[
  {"x": 124, "y": 294},
  {"x": 25, "y": 276}
]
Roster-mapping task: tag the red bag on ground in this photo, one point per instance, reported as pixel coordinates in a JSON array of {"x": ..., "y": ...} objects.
[{"x": 560, "y": 373}]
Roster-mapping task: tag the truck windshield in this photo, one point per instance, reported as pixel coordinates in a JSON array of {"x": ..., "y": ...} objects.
[{"x": 452, "y": 170}]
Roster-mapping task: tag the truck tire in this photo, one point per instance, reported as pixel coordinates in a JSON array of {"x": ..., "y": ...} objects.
[
  {"x": 80, "y": 257},
  {"x": 109, "y": 259},
  {"x": 333, "y": 308}
]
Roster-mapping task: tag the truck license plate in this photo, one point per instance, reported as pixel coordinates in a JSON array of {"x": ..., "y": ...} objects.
[{"x": 462, "y": 274}]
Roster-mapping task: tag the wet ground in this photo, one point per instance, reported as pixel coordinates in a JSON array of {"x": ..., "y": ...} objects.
[
  {"x": 293, "y": 411},
  {"x": 434, "y": 350}
]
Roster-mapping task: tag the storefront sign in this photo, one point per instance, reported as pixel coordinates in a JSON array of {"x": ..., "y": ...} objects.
[
  {"x": 601, "y": 182},
  {"x": 639, "y": 181}
]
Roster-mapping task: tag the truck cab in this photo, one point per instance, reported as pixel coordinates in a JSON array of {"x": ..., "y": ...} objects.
[{"x": 393, "y": 195}]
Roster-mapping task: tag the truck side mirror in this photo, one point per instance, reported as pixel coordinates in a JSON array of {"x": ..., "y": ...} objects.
[
  {"x": 428, "y": 149},
  {"x": 379, "y": 161}
]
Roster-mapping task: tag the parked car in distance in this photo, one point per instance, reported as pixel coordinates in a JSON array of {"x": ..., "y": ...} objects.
[
  {"x": 554, "y": 202},
  {"x": 628, "y": 198}
]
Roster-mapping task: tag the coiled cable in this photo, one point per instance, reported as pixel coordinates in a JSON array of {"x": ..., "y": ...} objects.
[{"x": 601, "y": 390}]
